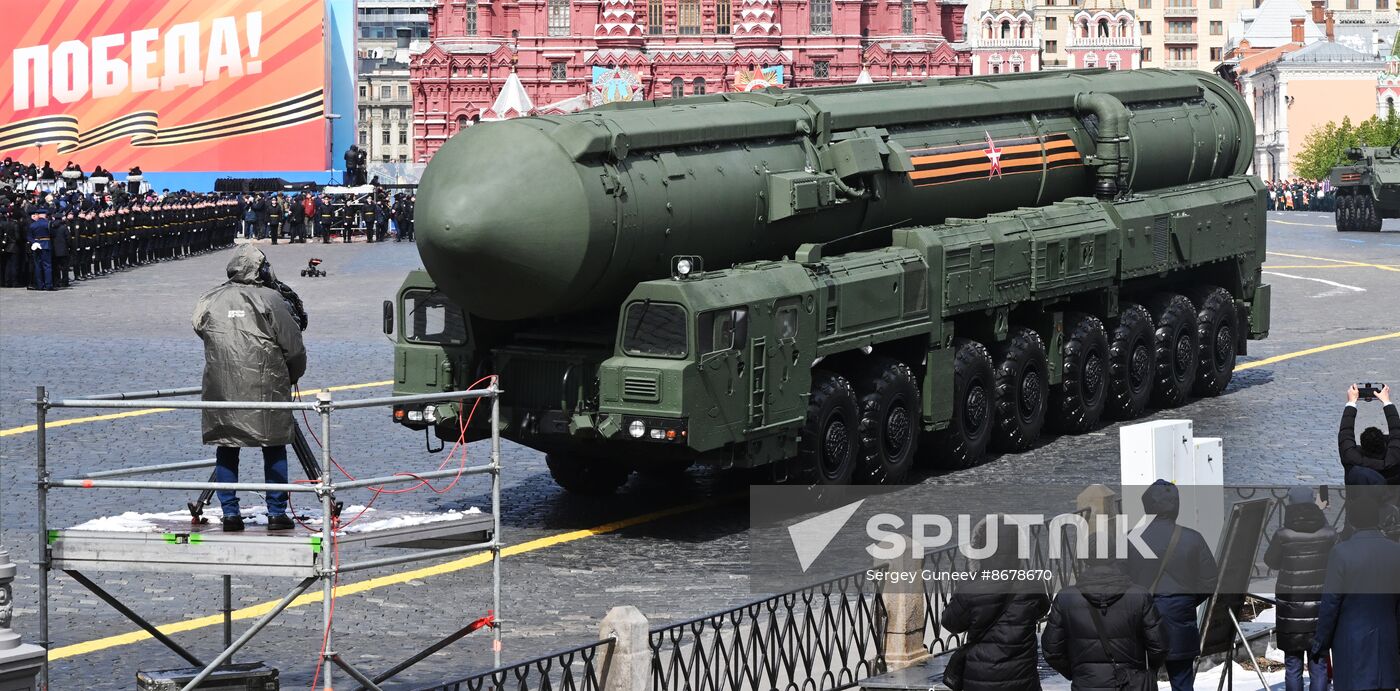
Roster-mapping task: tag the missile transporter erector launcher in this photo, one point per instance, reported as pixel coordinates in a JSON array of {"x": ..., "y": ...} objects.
[
  {"x": 833, "y": 283},
  {"x": 1368, "y": 188}
]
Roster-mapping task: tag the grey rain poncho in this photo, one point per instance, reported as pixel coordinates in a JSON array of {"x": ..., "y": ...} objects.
[{"x": 252, "y": 352}]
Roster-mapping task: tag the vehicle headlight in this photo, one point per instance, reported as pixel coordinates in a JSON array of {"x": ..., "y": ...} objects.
[
  {"x": 637, "y": 429},
  {"x": 683, "y": 267},
  {"x": 430, "y": 414}
]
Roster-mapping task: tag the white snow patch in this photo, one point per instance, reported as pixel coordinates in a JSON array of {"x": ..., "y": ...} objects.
[
  {"x": 1266, "y": 616},
  {"x": 372, "y": 520}
]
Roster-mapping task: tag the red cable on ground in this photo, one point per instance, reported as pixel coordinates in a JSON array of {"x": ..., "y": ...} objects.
[{"x": 337, "y": 525}]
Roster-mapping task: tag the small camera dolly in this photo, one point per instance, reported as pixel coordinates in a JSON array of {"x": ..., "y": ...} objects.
[{"x": 313, "y": 269}]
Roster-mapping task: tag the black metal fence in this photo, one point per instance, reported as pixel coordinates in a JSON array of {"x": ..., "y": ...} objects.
[
  {"x": 819, "y": 638},
  {"x": 574, "y": 669},
  {"x": 1273, "y": 520}
]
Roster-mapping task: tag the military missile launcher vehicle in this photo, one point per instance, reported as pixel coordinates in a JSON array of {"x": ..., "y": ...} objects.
[
  {"x": 833, "y": 283},
  {"x": 1368, "y": 188}
]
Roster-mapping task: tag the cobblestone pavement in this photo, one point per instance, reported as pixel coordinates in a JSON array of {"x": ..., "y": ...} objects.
[{"x": 131, "y": 331}]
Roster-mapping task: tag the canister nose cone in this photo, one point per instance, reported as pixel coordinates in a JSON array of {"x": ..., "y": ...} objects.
[{"x": 504, "y": 225}]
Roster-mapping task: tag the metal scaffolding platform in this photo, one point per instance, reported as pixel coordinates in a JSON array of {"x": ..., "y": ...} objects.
[{"x": 171, "y": 543}]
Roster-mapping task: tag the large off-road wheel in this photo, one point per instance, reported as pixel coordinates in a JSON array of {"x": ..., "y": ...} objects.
[
  {"x": 1217, "y": 328},
  {"x": 964, "y": 443},
  {"x": 1023, "y": 390},
  {"x": 588, "y": 476},
  {"x": 1132, "y": 358},
  {"x": 1343, "y": 213},
  {"x": 888, "y": 402},
  {"x": 1079, "y": 402},
  {"x": 826, "y": 452},
  {"x": 1368, "y": 217},
  {"x": 1177, "y": 346}
]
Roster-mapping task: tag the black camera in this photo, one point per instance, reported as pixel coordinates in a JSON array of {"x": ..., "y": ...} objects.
[{"x": 1368, "y": 391}]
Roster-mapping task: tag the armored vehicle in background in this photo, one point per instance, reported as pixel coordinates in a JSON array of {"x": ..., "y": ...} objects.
[
  {"x": 833, "y": 283},
  {"x": 1368, "y": 188}
]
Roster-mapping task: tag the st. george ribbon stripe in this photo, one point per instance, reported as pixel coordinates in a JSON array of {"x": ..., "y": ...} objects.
[{"x": 144, "y": 130}]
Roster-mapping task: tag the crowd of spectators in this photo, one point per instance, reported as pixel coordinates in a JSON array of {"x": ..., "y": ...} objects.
[
  {"x": 1125, "y": 623},
  {"x": 311, "y": 215},
  {"x": 1301, "y": 195},
  {"x": 51, "y": 236}
]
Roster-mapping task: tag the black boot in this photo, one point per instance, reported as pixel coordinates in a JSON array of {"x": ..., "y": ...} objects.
[
  {"x": 282, "y": 522},
  {"x": 233, "y": 524}
]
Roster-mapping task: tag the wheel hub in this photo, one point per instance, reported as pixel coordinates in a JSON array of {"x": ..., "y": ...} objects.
[
  {"x": 1137, "y": 367},
  {"x": 975, "y": 412},
  {"x": 1093, "y": 375},
  {"x": 836, "y": 447},
  {"x": 1183, "y": 354},
  {"x": 1224, "y": 347},
  {"x": 896, "y": 430},
  {"x": 1030, "y": 394}
]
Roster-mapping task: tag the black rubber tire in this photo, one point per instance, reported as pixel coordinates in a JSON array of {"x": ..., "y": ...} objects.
[
  {"x": 888, "y": 401},
  {"x": 586, "y": 476},
  {"x": 1217, "y": 328},
  {"x": 1023, "y": 390},
  {"x": 826, "y": 451},
  {"x": 1343, "y": 213},
  {"x": 1078, "y": 403},
  {"x": 964, "y": 443},
  {"x": 1370, "y": 218},
  {"x": 1177, "y": 345},
  {"x": 1132, "y": 357}
]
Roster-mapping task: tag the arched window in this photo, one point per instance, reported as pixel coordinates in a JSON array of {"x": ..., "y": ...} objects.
[
  {"x": 677, "y": 87},
  {"x": 1103, "y": 28},
  {"x": 1021, "y": 29},
  {"x": 697, "y": 87},
  {"x": 723, "y": 16},
  {"x": 988, "y": 31},
  {"x": 1091, "y": 60},
  {"x": 558, "y": 17},
  {"x": 821, "y": 16},
  {"x": 471, "y": 18},
  {"x": 689, "y": 17},
  {"x": 906, "y": 16},
  {"x": 1006, "y": 28},
  {"x": 461, "y": 122},
  {"x": 1084, "y": 28},
  {"x": 1123, "y": 29}
]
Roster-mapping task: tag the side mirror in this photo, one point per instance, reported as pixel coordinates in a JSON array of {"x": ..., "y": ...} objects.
[{"x": 388, "y": 317}]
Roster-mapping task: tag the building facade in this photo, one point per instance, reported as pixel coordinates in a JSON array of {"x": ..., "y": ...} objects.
[
  {"x": 1010, "y": 36},
  {"x": 569, "y": 54},
  {"x": 388, "y": 30},
  {"x": 1305, "y": 89}
]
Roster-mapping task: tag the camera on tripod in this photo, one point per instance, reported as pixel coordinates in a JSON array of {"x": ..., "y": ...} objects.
[{"x": 313, "y": 269}]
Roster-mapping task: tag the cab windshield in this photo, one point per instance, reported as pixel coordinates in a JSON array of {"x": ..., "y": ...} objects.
[
  {"x": 429, "y": 317},
  {"x": 655, "y": 329}
]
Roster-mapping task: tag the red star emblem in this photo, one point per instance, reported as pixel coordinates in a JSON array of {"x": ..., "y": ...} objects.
[{"x": 993, "y": 153}]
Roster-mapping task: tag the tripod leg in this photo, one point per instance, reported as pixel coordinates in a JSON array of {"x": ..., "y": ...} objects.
[
  {"x": 308, "y": 461},
  {"x": 196, "y": 507},
  {"x": 1245, "y": 642}
]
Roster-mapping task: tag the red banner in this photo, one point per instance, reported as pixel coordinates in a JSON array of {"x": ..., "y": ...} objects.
[{"x": 169, "y": 85}]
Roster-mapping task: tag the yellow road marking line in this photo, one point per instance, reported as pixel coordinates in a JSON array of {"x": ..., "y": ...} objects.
[
  {"x": 1383, "y": 267},
  {"x": 258, "y": 610},
  {"x": 1312, "y": 351},
  {"x": 64, "y": 422}
]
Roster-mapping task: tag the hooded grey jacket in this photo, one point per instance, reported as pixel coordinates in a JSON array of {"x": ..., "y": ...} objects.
[{"x": 252, "y": 352}]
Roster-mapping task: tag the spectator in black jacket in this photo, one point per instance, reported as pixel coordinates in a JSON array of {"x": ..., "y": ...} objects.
[
  {"x": 1359, "y": 619},
  {"x": 1181, "y": 577},
  {"x": 1377, "y": 451},
  {"x": 59, "y": 229},
  {"x": 1136, "y": 642},
  {"x": 1299, "y": 553},
  {"x": 1002, "y": 616}
]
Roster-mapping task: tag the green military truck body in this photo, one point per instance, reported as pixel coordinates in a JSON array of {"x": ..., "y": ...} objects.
[
  {"x": 895, "y": 272},
  {"x": 1368, "y": 188}
]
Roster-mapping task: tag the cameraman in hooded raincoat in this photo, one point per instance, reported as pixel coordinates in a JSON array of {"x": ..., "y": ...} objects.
[{"x": 252, "y": 352}]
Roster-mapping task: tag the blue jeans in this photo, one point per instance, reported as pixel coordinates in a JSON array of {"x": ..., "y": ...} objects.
[
  {"x": 43, "y": 269},
  {"x": 274, "y": 471},
  {"x": 1293, "y": 672},
  {"x": 1182, "y": 674}
]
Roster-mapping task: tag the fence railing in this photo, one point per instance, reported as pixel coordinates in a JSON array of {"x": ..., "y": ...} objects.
[
  {"x": 819, "y": 638},
  {"x": 573, "y": 669}
]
